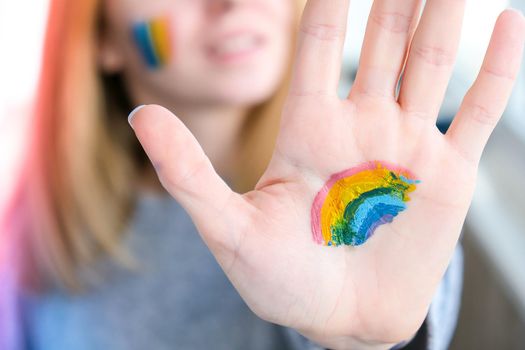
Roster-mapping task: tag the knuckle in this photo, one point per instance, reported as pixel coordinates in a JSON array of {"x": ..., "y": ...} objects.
[
  {"x": 481, "y": 114},
  {"x": 324, "y": 32},
  {"x": 183, "y": 179},
  {"x": 417, "y": 113},
  {"x": 392, "y": 21},
  {"x": 499, "y": 73},
  {"x": 434, "y": 55}
]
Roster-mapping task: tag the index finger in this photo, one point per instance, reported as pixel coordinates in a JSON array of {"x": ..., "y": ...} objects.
[{"x": 319, "y": 49}]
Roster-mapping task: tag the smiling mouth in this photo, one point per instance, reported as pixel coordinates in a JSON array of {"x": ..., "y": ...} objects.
[{"x": 235, "y": 48}]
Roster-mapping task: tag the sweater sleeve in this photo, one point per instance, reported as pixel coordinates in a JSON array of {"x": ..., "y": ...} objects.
[{"x": 444, "y": 310}]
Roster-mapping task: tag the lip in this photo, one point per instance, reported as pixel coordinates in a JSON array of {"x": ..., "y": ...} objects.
[{"x": 235, "y": 47}]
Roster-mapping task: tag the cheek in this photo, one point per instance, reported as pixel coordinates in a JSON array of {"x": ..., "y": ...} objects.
[{"x": 154, "y": 40}]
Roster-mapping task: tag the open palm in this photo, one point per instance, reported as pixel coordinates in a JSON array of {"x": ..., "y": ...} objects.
[{"x": 378, "y": 293}]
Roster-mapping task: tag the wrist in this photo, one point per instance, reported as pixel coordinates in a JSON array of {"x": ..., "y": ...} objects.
[
  {"x": 349, "y": 343},
  {"x": 353, "y": 343}
]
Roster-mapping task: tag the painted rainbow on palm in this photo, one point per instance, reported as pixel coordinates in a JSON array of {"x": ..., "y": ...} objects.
[
  {"x": 152, "y": 38},
  {"x": 354, "y": 202}
]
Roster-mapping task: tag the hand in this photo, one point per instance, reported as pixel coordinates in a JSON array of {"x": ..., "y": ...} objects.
[{"x": 376, "y": 294}]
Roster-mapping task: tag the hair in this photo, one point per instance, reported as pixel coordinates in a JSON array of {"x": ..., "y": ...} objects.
[{"x": 77, "y": 192}]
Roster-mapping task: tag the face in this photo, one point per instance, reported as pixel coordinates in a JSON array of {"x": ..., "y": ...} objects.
[{"x": 208, "y": 51}]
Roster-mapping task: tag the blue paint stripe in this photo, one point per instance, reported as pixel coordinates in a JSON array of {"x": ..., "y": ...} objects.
[
  {"x": 409, "y": 181},
  {"x": 373, "y": 208},
  {"x": 374, "y": 217},
  {"x": 144, "y": 41}
]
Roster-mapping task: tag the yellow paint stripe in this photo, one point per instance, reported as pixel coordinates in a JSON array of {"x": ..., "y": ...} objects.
[{"x": 159, "y": 29}]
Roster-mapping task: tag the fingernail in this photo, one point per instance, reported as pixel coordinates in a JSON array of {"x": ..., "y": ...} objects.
[
  {"x": 132, "y": 114},
  {"x": 516, "y": 10}
]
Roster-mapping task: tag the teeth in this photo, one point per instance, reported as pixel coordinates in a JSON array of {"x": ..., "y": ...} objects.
[{"x": 236, "y": 44}]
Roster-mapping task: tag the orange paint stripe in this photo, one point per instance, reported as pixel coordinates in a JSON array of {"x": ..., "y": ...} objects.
[{"x": 159, "y": 29}]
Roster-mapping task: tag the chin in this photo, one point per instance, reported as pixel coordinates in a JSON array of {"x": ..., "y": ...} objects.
[
  {"x": 248, "y": 97},
  {"x": 249, "y": 89}
]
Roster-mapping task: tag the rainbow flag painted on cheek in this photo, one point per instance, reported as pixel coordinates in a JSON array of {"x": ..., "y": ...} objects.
[
  {"x": 354, "y": 202},
  {"x": 153, "y": 41}
]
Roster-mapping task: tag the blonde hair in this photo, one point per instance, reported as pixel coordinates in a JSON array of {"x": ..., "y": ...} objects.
[{"x": 76, "y": 193}]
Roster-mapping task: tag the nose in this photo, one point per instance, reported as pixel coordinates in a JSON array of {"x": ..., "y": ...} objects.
[{"x": 220, "y": 6}]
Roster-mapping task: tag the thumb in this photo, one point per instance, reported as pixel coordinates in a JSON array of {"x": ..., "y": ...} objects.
[{"x": 188, "y": 175}]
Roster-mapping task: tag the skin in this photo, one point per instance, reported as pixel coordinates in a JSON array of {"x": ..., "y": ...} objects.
[
  {"x": 377, "y": 294},
  {"x": 210, "y": 96}
]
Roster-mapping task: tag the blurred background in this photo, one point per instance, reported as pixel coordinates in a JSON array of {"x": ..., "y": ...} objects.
[{"x": 493, "y": 302}]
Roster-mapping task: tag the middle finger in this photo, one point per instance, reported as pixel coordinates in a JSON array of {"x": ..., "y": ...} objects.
[
  {"x": 390, "y": 27},
  {"x": 431, "y": 58}
]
